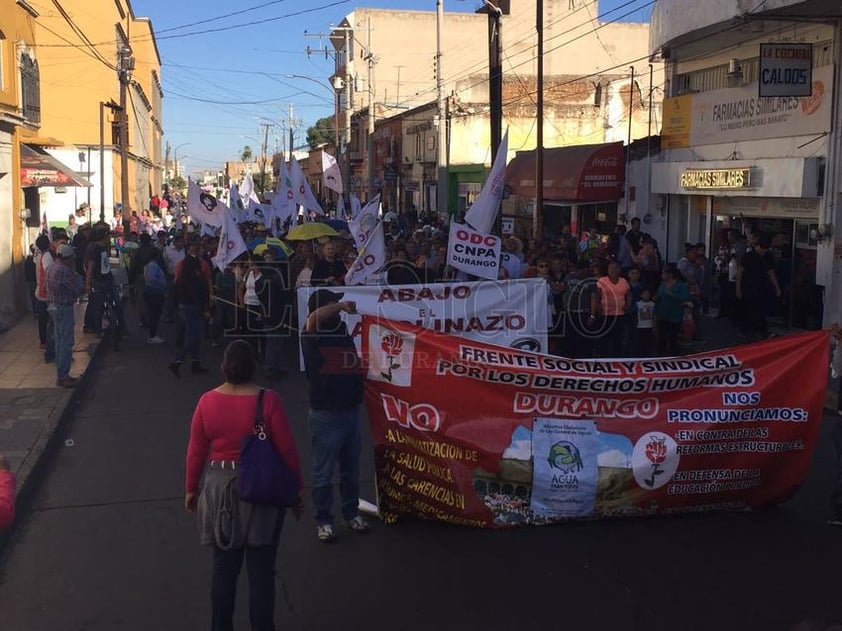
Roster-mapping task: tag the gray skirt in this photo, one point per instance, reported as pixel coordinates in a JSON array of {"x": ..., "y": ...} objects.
[{"x": 230, "y": 523}]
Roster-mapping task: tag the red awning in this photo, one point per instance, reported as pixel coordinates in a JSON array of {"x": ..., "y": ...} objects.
[
  {"x": 38, "y": 168},
  {"x": 579, "y": 174}
]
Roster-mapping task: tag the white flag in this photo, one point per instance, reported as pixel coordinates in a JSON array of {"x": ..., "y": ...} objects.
[
  {"x": 363, "y": 223},
  {"x": 356, "y": 206},
  {"x": 370, "y": 259},
  {"x": 483, "y": 212},
  {"x": 247, "y": 187},
  {"x": 283, "y": 204},
  {"x": 238, "y": 209},
  {"x": 331, "y": 175},
  {"x": 231, "y": 244},
  {"x": 301, "y": 191},
  {"x": 203, "y": 207},
  {"x": 473, "y": 252}
]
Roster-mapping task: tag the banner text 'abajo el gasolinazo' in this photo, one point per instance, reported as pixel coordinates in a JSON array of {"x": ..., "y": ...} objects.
[{"x": 487, "y": 436}]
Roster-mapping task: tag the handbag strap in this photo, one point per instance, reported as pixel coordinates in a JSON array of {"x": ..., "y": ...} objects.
[{"x": 258, "y": 413}]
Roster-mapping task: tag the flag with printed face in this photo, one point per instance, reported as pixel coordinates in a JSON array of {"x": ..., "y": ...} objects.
[
  {"x": 45, "y": 227},
  {"x": 238, "y": 209},
  {"x": 362, "y": 224},
  {"x": 331, "y": 175},
  {"x": 483, "y": 212},
  {"x": 283, "y": 204},
  {"x": 370, "y": 259},
  {"x": 302, "y": 194},
  {"x": 203, "y": 207},
  {"x": 231, "y": 243}
]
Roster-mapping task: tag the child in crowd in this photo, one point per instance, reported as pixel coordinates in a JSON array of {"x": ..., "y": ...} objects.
[{"x": 644, "y": 342}]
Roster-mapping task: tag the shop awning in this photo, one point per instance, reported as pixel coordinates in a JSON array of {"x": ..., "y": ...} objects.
[
  {"x": 38, "y": 168},
  {"x": 579, "y": 174}
]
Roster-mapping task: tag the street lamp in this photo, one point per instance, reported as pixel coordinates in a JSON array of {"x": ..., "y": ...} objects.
[
  {"x": 334, "y": 90},
  {"x": 175, "y": 155}
]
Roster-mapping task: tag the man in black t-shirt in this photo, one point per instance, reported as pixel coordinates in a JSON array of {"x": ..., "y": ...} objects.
[
  {"x": 329, "y": 270},
  {"x": 756, "y": 286},
  {"x": 335, "y": 372},
  {"x": 99, "y": 282}
]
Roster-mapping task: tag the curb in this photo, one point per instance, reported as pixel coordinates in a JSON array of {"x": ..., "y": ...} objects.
[{"x": 38, "y": 462}]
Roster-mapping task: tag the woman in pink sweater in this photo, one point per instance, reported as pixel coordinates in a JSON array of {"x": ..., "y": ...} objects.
[
  {"x": 236, "y": 529},
  {"x": 7, "y": 494}
]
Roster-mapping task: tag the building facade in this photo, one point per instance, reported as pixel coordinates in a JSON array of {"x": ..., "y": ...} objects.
[
  {"x": 744, "y": 148},
  {"x": 19, "y": 116},
  {"x": 592, "y": 93},
  {"x": 85, "y": 101}
]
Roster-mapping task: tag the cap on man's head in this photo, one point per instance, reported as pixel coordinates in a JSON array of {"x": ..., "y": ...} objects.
[
  {"x": 65, "y": 251},
  {"x": 145, "y": 239},
  {"x": 322, "y": 297},
  {"x": 635, "y": 220}
]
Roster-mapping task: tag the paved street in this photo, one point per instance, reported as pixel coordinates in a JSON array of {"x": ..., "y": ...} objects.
[{"x": 108, "y": 545}]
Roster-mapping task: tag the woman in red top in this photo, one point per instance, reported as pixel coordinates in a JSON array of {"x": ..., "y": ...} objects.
[{"x": 236, "y": 529}]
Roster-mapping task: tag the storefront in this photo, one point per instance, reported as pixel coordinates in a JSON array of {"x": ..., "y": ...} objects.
[
  {"x": 777, "y": 197},
  {"x": 582, "y": 185}
]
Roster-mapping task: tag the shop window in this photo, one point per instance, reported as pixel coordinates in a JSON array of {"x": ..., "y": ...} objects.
[{"x": 30, "y": 83}]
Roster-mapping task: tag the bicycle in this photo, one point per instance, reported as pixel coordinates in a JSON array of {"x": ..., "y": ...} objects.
[{"x": 113, "y": 312}]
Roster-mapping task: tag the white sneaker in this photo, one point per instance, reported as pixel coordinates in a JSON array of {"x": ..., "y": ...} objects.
[
  {"x": 325, "y": 533},
  {"x": 358, "y": 524},
  {"x": 155, "y": 340}
]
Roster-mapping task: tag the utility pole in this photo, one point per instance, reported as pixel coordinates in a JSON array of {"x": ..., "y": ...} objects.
[
  {"x": 495, "y": 82},
  {"x": 628, "y": 142},
  {"x": 125, "y": 69},
  {"x": 167, "y": 162},
  {"x": 370, "y": 58},
  {"x": 441, "y": 117},
  {"x": 349, "y": 87},
  {"x": 263, "y": 151},
  {"x": 537, "y": 216},
  {"x": 291, "y": 128}
]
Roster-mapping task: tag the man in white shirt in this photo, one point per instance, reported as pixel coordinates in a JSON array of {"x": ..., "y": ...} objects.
[{"x": 174, "y": 254}]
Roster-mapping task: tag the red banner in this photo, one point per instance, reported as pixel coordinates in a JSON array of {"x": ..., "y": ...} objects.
[{"x": 487, "y": 436}]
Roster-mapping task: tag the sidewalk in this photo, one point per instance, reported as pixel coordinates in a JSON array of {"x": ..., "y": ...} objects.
[{"x": 31, "y": 405}]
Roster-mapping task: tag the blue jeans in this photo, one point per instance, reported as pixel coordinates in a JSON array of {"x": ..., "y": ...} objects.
[
  {"x": 190, "y": 318},
  {"x": 63, "y": 325},
  {"x": 274, "y": 346},
  {"x": 335, "y": 436}
]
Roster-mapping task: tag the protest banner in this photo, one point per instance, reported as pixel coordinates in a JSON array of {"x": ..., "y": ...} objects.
[
  {"x": 508, "y": 313},
  {"x": 473, "y": 252},
  {"x": 480, "y": 435}
]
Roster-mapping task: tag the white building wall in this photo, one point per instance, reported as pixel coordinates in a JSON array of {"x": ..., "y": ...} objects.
[
  {"x": 8, "y": 215},
  {"x": 59, "y": 206}
]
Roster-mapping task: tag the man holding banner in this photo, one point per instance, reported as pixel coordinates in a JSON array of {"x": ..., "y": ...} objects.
[{"x": 335, "y": 372}]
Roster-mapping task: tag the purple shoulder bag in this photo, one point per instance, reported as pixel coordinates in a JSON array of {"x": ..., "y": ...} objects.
[{"x": 262, "y": 475}]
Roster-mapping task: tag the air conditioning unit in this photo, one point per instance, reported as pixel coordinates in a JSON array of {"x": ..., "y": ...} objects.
[{"x": 735, "y": 70}]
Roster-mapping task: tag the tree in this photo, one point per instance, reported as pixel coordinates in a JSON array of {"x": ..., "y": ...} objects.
[
  {"x": 246, "y": 154},
  {"x": 178, "y": 183},
  {"x": 321, "y": 133}
]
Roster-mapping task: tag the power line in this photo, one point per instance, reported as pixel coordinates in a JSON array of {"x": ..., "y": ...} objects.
[
  {"x": 221, "y": 17},
  {"x": 472, "y": 70},
  {"x": 76, "y": 29}
]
